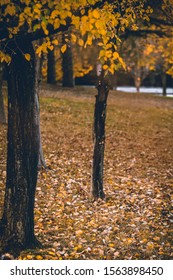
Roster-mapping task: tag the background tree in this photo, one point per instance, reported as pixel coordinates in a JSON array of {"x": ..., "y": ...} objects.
[
  {"x": 51, "y": 72},
  {"x": 138, "y": 56},
  {"x": 2, "y": 110},
  {"x": 67, "y": 60}
]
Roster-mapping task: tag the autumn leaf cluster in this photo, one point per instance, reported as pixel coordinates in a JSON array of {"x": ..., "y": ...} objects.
[{"x": 90, "y": 19}]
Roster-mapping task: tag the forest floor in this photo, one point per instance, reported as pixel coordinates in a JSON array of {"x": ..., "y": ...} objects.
[{"x": 134, "y": 222}]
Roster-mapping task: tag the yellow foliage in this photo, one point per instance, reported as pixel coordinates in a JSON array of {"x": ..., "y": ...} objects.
[
  {"x": 38, "y": 257},
  {"x": 96, "y": 14},
  {"x": 63, "y": 48},
  {"x": 29, "y": 257},
  {"x": 44, "y": 27},
  {"x": 4, "y": 57},
  {"x": 105, "y": 67},
  {"x": 27, "y": 56},
  {"x": 73, "y": 38},
  {"x": 100, "y": 24},
  {"x": 10, "y": 10},
  {"x": 81, "y": 42}
]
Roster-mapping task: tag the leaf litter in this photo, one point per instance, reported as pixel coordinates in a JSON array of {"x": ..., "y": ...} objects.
[{"x": 134, "y": 221}]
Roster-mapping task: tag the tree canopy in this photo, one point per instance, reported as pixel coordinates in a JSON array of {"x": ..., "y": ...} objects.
[{"x": 98, "y": 20}]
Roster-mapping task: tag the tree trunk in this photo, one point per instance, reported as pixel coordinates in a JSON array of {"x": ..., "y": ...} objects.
[
  {"x": 17, "y": 224},
  {"x": 41, "y": 160},
  {"x": 137, "y": 83},
  {"x": 99, "y": 138},
  {"x": 163, "y": 77},
  {"x": 67, "y": 63},
  {"x": 2, "y": 110},
  {"x": 51, "y": 72}
]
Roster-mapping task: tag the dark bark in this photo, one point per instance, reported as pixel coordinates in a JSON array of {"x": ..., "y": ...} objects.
[
  {"x": 17, "y": 224},
  {"x": 2, "y": 110},
  {"x": 51, "y": 71},
  {"x": 99, "y": 138},
  {"x": 163, "y": 77},
  {"x": 67, "y": 62}
]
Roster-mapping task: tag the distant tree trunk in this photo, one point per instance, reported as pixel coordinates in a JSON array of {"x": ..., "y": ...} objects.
[
  {"x": 164, "y": 78},
  {"x": 99, "y": 138},
  {"x": 51, "y": 71},
  {"x": 152, "y": 79},
  {"x": 2, "y": 110},
  {"x": 39, "y": 61},
  {"x": 17, "y": 224},
  {"x": 137, "y": 79},
  {"x": 67, "y": 62}
]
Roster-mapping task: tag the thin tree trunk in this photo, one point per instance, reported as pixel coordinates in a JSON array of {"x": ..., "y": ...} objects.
[
  {"x": 137, "y": 83},
  {"x": 2, "y": 110},
  {"x": 99, "y": 138},
  {"x": 163, "y": 77},
  {"x": 17, "y": 224},
  {"x": 67, "y": 62}
]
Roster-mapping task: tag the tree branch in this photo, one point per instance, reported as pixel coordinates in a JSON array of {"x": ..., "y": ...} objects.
[{"x": 142, "y": 33}]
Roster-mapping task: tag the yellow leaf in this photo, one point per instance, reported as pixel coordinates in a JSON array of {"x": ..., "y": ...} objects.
[
  {"x": 144, "y": 240},
  {"x": 89, "y": 41},
  {"x": 82, "y": 12},
  {"x": 29, "y": 257},
  {"x": 150, "y": 246},
  {"x": 96, "y": 14},
  {"x": 129, "y": 241},
  {"x": 115, "y": 55},
  {"x": 27, "y": 56},
  {"x": 73, "y": 38},
  {"x": 103, "y": 32},
  {"x": 10, "y": 9},
  {"x": 102, "y": 53},
  {"x": 108, "y": 54},
  {"x": 79, "y": 232},
  {"x": 105, "y": 67},
  {"x": 63, "y": 48},
  {"x": 157, "y": 238},
  {"x": 51, "y": 253},
  {"x": 56, "y": 23},
  {"x": 27, "y": 11},
  {"x": 39, "y": 257},
  {"x": 55, "y": 42},
  {"x": 81, "y": 42},
  {"x": 50, "y": 47}
]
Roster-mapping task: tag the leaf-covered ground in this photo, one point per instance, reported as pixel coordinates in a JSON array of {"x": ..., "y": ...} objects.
[{"x": 134, "y": 222}]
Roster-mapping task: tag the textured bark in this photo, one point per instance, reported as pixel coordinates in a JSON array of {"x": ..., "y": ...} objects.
[
  {"x": 51, "y": 72},
  {"x": 41, "y": 160},
  {"x": 67, "y": 63},
  {"x": 2, "y": 110},
  {"x": 99, "y": 138},
  {"x": 17, "y": 224}
]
